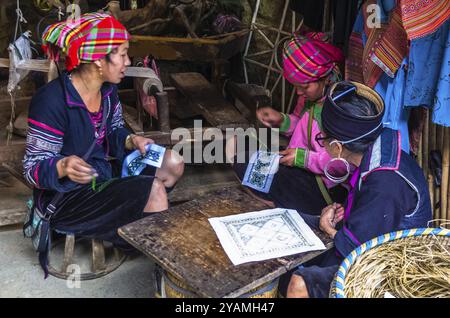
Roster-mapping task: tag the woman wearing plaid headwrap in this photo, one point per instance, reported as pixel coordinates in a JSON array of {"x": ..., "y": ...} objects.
[
  {"x": 310, "y": 64},
  {"x": 75, "y": 124}
]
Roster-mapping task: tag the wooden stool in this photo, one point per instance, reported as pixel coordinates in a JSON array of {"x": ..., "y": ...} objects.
[{"x": 101, "y": 265}]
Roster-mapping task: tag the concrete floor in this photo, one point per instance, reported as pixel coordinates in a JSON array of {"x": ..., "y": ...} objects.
[{"x": 21, "y": 275}]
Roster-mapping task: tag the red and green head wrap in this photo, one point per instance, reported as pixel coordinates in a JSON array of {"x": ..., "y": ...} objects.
[
  {"x": 308, "y": 58},
  {"x": 85, "y": 40}
]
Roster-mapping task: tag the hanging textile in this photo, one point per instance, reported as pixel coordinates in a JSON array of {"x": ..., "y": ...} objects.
[
  {"x": 359, "y": 65},
  {"x": 392, "y": 90},
  {"x": 389, "y": 51},
  {"x": 428, "y": 78},
  {"x": 376, "y": 49},
  {"x": 422, "y": 17},
  {"x": 344, "y": 15}
]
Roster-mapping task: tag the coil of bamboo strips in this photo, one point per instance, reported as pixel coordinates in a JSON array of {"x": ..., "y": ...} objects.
[{"x": 410, "y": 263}]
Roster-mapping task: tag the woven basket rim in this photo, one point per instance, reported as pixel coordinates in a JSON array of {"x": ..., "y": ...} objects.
[{"x": 377, "y": 241}]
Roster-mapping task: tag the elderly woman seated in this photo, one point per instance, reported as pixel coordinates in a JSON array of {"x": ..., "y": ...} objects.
[{"x": 388, "y": 188}]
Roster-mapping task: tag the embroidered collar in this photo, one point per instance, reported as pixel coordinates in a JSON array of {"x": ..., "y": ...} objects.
[{"x": 384, "y": 154}]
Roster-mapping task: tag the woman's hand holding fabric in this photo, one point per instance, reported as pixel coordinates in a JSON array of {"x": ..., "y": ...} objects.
[
  {"x": 139, "y": 142},
  {"x": 76, "y": 169},
  {"x": 269, "y": 117},
  {"x": 331, "y": 215},
  {"x": 288, "y": 157}
]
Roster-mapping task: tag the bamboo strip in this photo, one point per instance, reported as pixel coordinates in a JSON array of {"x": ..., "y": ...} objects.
[
  {"x": 431, "y": 190},
  {"x": 420, "y": 152},
  {"x": 448, "y": 205},
  {"x": 432, "y": 135},
  {"x": 437, "y": 191},
  {"x": 426, "y": 143},
  {"x": 445, "y": 171},
  {"x": 440, "y": 137}
]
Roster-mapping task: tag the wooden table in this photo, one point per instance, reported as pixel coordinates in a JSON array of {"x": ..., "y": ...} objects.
[{"x": 183, "y": 243}]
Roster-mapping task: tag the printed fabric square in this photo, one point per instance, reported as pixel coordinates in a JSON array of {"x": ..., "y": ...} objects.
[{"x": 261, "y": 170}]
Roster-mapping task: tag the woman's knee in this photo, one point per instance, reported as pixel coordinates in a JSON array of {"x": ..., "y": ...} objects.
[
  {"x": 297, "y": 287},
  {"x": 175, "y": 163}
]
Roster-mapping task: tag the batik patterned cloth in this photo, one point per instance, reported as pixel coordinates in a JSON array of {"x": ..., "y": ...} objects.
[
  {"x": 86, "y": 40},
  {"x": 309, "y": 58},
  {"x": 261, "y": 170},
  {"x": 135, "y": 162}
]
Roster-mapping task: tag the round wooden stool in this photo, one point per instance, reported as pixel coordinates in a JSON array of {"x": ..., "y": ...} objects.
[{"x": 104, "y": 259}]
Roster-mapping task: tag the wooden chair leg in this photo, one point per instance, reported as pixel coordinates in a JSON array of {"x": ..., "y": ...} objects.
[
  {"x": 98, "y": 256},
  {"x": 68, "y": 252}
]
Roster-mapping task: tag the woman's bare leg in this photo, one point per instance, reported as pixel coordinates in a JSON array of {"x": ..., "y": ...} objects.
[
  {"x": 157, "y": 200},
  {"x": 171, "y": 169}
]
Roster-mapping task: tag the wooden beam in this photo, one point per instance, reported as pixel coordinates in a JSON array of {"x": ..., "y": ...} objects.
[
  {"x": 12, "y": 153},
  {"x": 12, "y": 216},
  {"x": 44, "y": 66},
  {"x": 4, "y": 62}
]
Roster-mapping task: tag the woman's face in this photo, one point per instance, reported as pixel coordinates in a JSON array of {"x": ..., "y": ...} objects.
[
  {"x": 312, "y": 91},
  {"x": 114, "y": 70}
]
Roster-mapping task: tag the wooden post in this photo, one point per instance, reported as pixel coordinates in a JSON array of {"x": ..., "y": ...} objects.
[
  {"x": 445, "y": 171},
  {"x": 98, "y": 256},
  {"x": 162, "y": 100},
  {"x": 68, "y": 252}
]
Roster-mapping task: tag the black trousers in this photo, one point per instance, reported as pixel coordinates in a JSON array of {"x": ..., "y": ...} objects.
[{"x": 98, "y": 213}]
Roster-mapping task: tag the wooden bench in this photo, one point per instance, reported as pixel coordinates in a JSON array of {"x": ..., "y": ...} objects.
[{"x": 184, "y": 244}]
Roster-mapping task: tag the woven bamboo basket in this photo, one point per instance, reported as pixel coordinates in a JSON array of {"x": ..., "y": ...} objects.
[
  {"x": 409, "y": 263},
  {"x": 175, "y": 288}
]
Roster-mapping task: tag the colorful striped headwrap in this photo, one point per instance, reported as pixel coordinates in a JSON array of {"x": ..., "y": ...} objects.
[
  {"x": 309, "y": 58},
  {"x": 85, "y": 40}
]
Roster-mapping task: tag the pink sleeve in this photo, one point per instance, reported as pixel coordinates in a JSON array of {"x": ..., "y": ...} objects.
[
  {"x": 316, "y": 160},
  {"x": 293, "y": 121},
  {"x": 288, "y": 126}
]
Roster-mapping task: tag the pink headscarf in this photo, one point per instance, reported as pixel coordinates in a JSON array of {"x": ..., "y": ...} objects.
[{"x": 308, "y": 58}]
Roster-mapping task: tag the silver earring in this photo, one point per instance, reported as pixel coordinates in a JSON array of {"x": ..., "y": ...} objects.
[{"x": 337, "y": 179}]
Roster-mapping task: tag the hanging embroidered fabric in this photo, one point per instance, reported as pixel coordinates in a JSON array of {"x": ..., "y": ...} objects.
[{"x": 261, "y": 170}]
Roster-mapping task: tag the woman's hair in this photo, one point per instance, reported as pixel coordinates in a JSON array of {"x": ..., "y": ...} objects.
[{"x": 357, "y": 106}]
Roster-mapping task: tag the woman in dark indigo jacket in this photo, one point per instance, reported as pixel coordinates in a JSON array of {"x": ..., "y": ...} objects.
[
  {"x": 65, "y": 119},
  {"x": 388, "y": 188}
]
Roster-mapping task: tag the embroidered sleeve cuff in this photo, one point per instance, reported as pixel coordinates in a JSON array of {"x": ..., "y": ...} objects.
[
  {"x": 300, "y": 157},
  {"x": 286, "y": 123}
]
